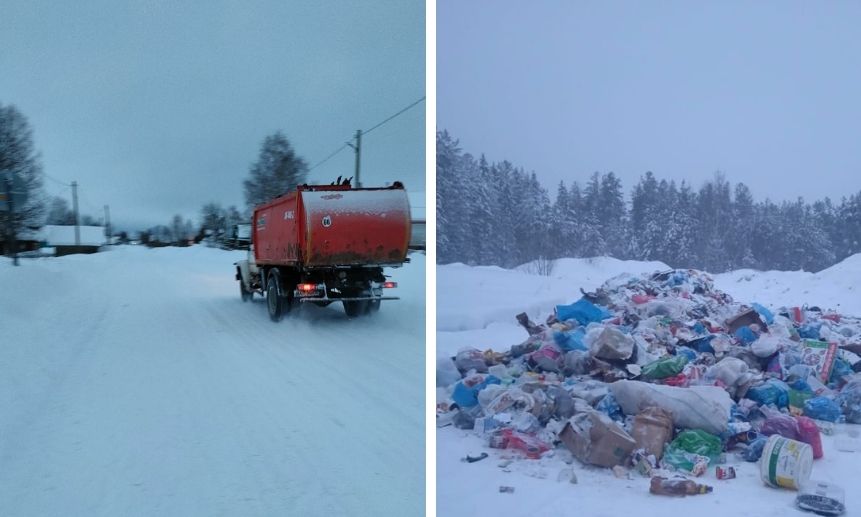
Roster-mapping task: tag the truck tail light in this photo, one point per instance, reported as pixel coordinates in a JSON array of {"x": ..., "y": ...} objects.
[
  {"x": 307, "y": 288},
  {"x": 390, "y": 285}
]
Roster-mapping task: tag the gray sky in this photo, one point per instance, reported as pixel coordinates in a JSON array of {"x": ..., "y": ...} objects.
[
  {"x": 767, "y": 92},
  {"x": 157, "y": 107}
]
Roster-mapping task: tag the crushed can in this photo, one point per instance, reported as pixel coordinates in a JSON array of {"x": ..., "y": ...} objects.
[{"x": 725, "y": 472}]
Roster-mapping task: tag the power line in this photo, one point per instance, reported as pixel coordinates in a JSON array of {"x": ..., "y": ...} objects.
[
  {"x": 336, "y": 151},
  {"x": 55, "y": 180},
  {"x": 348, "y": 144},
  {"x": 365, "y": 132}
]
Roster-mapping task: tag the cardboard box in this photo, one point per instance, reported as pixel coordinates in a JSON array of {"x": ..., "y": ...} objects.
[{"x": 596, "y": 439}]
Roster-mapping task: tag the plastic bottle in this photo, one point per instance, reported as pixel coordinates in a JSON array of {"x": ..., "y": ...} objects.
[{"x": 677, "y": 487}]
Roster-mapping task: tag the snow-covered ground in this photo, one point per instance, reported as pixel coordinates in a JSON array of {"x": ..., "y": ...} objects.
[
  {"x": 476, "y": 308},
  {"x": 136, "y": 382}
]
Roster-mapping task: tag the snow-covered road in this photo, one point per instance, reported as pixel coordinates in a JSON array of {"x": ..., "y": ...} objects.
[{"x": 135, "y": 382}]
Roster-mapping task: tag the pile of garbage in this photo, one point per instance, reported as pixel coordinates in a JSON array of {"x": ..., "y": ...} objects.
[{"x": 664, "y": 374}]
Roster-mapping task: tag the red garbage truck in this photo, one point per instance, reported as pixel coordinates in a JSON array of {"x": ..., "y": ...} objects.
[{"x": 326, "y": 243}]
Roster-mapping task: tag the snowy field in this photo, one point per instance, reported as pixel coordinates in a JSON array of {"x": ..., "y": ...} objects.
[
  {"x": 476, "y": 308},
  {"x": 136, "y": 382}
]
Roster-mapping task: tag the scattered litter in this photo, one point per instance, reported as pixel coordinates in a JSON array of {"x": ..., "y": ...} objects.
[
  {"x": 821, "y": 498},
  {"x": 677, "y": 487},
  {"x": 473, "y": 459},
  {"x": 506, "y": 489},
  {"x": 725, "y": 472},
  {"x": 663, "y": 375}
]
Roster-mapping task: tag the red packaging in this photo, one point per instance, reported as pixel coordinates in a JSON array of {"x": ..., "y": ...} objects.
[
  {"x": 641, "y": 298},
  {"x": 528, "y": 444},
  {"x": 680, "y": 381},
  {"x": 808, "y": 433},
  {"x": 797, "y": 314}
]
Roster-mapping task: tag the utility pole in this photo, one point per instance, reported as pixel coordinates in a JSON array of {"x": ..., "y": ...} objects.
[
  {"x": 108, "y": 223},
  {"x": 358, "y": 149},
  {"x": 10, "y": 222},
  {"x": 75, "y": 208}
]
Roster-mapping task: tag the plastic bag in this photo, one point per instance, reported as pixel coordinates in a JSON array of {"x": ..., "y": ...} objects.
[
  {"x": 764, "y": 313},
  {"x": 772, "y": 392},
  {"x": 822, "y": 408},
  {"x": 839, "y": 371},
  {"x": 612, "y": 344},
  {"x": 528, "y": 444},
  {"x": 570, "y": 340},
  {"x": 547, "y": 359},
  {"x": 765, "y": 346},
  {"x": 754, "y": 449},
  {"x": 470, "y": 359},
  {"x": 583, "y": 311},
  {"x": 683, "y": 452},
  {"x": 465, "y": 392},
  {"x": 779, "y": 423},
  {"x": 850, "y": 400},
  {"x": 446, "y": 372},
  {"x": 610, "y": 407},
  {"x": 577, "y": 362},
  {"x": 664, "y": 367}
]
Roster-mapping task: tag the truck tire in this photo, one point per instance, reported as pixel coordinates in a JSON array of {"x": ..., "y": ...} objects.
[
  {"x": 243, "y": 292},
  {"x": 373, "y": 306},
  {"x": 274, "y": 301},
  {"x": 354, "y": 308}
]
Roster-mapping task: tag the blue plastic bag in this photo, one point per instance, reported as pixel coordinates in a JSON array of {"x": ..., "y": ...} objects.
[
  {"x": 773, "y": 392},
  {"x": 810, "y": 331},
  {"x": 754, "y": 449},
  {"x": 766, "y": 314},
  {"x": 840, "y": 370},
  {"x": 571, "y": 340},
  {"x": 822, "y": 408},
  {"x": 465, "y": 395},
  {"x": 583, "y": 311},
  {"x": 745, "y": 335},
  {"x": 610, "y": 407},
  {"x": 702, "y": 344},
  {"x": 687, "y": 352}
]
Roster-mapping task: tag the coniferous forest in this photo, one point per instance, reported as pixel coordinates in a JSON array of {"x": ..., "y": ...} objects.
[{"x": 496, "y": 213}]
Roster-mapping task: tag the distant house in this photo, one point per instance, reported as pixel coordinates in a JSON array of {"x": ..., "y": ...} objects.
[
  {"x": 239, "y": 237},
  {"x": 62, "y": 239},
  {"x": 28, "y": 240}
]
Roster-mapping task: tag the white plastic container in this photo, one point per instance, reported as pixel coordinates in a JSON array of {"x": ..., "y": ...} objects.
[{"x": 785, "y": 463}]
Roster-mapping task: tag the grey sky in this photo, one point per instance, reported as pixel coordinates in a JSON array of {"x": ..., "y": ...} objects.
[
  {"x": 767, "y": 92},
  {"x": 158, "y": 107}
]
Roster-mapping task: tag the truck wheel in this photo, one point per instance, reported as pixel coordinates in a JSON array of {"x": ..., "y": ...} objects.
[
  {"x": 245, "y": 293},
  {"x": 373, "y": 306},
  {"x": 354, "y": 308},
  {"x": 274, "y": 301}
]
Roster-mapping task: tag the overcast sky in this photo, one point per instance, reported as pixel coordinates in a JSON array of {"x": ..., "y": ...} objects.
[
  {"x": 767, "y": 92},
  {"x": 157, "y": 107}
]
